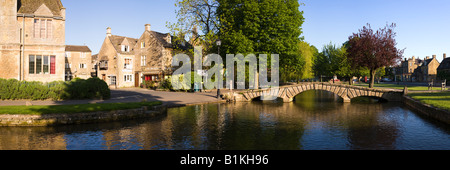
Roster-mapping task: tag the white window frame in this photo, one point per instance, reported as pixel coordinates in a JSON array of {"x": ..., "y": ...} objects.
[
  {"x": 143, "y": 60},
  {"x": 130, "y": 65},
  {"x": 128, "y": 78},
  {"x": 83, "y": 65}
]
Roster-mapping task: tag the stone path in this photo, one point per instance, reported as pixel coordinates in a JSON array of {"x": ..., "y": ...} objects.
[{"x": 128, "y": 95}]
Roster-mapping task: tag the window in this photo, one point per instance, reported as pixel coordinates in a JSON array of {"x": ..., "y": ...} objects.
[
  {"x": 68, "y": 54},
  {"x": 143, "y": 60},
  {"x": 128, "y": 78},
  {"x": 103, "y": 65},
  {"x": 142, "y": 44},
  {"x": 31, "y": 64},
  {"x": 83, "y": 65},
  {"x": 112, "y": 80},
  {"x": 52, "y": 64},
  {"x": 125, "y": 48},
  {"x": 128, "y": 64},
  {"x": 83, "y": 55},
  {"x": 43, "y": 28},
  {"x": 49, "y": 29},
  {"x": 67, "y": 65},
  {"x": 38, "y": 64},
  {"x": 46, "y": 65}
]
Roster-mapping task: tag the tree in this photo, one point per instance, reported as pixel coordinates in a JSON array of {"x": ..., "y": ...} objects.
[
  {"x": 331, "y": 61},
  {"x": 307, "y": 52},
  {"x": 262, "y": 27},
  {"x": 373, "y": 50},
  {"x": 193, "y": 15}
]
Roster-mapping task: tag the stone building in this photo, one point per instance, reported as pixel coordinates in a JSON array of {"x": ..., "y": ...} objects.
[
  {"x": 78, "y": 62},
  {"x": 406, "y": 69},
  {"x": 444, "y": 69},
  {"x": 428, "y": 69},
  {"x": 32, "y": 37},
  {"x": 128, "y": 62}
]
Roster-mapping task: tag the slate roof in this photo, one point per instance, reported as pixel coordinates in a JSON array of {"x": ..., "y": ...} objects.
[
  {"x": 30, "y": 6},
  {"x": 78, "y": 48}
]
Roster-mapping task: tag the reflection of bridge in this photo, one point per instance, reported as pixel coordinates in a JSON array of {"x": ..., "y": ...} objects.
[{"x": 346, "y": 92}]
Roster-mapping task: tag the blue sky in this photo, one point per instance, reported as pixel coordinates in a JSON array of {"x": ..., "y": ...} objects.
[{"x": 423, "y": 27}]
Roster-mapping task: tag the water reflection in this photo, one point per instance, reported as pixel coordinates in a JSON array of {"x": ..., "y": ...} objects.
[{"x": 316, "y": 120}]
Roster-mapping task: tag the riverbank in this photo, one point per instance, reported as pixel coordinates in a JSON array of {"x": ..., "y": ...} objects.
[
  {"x": 55, "y": 115},
  {"x": 125, "y": 104},
  {"x": 431, "y": 111}
]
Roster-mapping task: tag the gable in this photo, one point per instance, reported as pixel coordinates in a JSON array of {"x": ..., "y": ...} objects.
[
  {"x": 32, "y": 6},
  {"x": 43, "y": 10}
]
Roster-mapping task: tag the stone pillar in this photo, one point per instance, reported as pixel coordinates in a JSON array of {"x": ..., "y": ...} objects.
[
  {"x": 288, "y": 100},
  {"x": 347, "y": 100}
]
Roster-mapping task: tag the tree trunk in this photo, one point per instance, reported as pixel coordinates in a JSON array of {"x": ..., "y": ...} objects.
[{"x": 372, "y": 77}]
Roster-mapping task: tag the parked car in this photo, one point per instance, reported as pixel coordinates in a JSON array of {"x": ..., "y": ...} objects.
[
  {"x": 386, "y": 80},
  {"x": 335, "y": 80}
]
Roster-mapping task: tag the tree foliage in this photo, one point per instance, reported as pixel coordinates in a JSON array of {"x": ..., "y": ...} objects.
[
  {"x": 263, "y": 27},
  {"x": 197, "y": 20},
  {"x": 373, "y": 50}
]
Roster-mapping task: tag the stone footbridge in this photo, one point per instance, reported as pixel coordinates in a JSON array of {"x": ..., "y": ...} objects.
[{"x": 346, "y": 92}]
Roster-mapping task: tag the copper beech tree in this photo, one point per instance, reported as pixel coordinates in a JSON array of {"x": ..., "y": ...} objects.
[{"x": 374, "y": 50}]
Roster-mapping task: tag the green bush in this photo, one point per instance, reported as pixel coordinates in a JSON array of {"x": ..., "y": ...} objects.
[{"x": 93, "y": 88}]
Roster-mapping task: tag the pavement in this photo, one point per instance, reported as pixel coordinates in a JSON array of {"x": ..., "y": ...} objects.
[{"x": 128, "y": 95}]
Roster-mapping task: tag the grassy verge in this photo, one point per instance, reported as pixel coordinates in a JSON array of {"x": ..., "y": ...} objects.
[
  {"x": 440, "y": 100},
  {"x": 401, "y": 87},
  {"x": 81, "y": 108}
]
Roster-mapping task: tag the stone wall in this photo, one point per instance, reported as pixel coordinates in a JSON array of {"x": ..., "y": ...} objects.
[
  {"x": 428, "y": 110},
  {"x": 81, "y": 118}
]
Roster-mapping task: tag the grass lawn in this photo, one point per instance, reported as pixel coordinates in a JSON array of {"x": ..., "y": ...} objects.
[
  {"x": 440, "y": 100},
  {"x": 401, "y": 87},
  {"x": 81, "y": 108}
]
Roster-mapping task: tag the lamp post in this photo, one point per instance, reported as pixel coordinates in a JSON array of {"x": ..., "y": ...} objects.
[{"x": 218, "y": 43}]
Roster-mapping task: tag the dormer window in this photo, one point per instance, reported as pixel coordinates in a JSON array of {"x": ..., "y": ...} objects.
[
  {"x": 142, "y": 44},
  {"x": 125, "y": 48}
]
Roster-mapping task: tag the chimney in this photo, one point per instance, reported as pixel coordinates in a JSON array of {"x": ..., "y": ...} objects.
[
  {"x": 428, "y": 57},
  {"x": 445, "y": 55},
  {"x": 108, "y": 31},
  {"x": 434, "y": 56},
  {"x": 63, "y": 13},
  {"x": 148, "y": 27}
]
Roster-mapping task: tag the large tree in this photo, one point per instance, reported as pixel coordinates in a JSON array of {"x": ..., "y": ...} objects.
[
  {"x": 373, "y": 50},
  {"x": 262, "y": 27},
  {"x": 198, "y": 21}
]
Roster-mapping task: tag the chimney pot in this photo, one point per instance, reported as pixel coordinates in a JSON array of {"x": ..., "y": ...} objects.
[
  {"x": 108, "y": 31},
  {"x": 434, "y": 56},
  {"x": 445, "y": 55}
]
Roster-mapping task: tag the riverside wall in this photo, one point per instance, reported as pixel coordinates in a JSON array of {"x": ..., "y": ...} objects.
[
  {"x": 82, "y": 118},
  {"x": 428, "y": 110}
]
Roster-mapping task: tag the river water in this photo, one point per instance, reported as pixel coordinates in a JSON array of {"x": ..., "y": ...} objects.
[{"x": 317, "y": 120}]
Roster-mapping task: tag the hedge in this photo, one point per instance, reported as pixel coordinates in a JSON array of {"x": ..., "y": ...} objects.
[{"x": 92, "y": 88}]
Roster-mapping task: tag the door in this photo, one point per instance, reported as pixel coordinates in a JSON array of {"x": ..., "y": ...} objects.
[{"x": 136, "y": 80}]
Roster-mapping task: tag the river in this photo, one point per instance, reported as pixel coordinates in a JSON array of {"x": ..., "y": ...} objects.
[{"x": 317, "y": 120}]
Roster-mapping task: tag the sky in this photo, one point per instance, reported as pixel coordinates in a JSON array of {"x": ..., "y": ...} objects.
[{"x": 423, "y": 27}]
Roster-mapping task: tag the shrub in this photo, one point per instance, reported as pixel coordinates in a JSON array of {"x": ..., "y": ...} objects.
[{"x": 93, "y": 88}]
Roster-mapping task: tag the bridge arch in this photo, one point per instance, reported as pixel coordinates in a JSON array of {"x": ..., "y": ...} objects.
[{"x": 346, "y": 92}]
